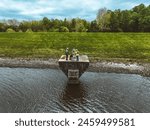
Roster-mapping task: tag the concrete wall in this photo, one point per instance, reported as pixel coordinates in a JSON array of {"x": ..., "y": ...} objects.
[{"x": 77, "y": 68}]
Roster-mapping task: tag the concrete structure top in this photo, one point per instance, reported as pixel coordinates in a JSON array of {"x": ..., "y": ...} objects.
[{"x": 82, "y": 58}]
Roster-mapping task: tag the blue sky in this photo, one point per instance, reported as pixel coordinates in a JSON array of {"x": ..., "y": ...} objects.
[{"x": 37, "y": 9}]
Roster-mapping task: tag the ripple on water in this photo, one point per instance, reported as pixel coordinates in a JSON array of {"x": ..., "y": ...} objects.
[{"x": 46, "y": 90}]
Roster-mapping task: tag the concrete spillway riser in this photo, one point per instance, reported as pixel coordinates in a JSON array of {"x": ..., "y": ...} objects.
[
  {"x": 73, "y": 68},
  {"x": 81, "y": 66}
]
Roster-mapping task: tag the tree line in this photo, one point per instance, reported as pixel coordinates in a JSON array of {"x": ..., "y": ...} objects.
[{"x": 135, "y": 20}]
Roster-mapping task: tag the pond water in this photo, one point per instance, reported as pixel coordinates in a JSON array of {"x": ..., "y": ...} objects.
[{"x": 46, "y": 90}]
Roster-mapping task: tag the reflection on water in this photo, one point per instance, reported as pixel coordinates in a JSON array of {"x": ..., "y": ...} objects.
[
  {"x": 46, "y": 90},
  {"x": 73, "y": 94}
]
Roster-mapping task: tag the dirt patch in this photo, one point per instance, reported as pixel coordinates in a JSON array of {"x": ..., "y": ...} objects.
[
  {"x": 28, "y": 63},
  {"x": 110, "y": 67}
]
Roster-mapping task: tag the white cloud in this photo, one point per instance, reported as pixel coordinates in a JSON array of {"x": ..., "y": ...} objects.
[{"x": 63, "y": 8}]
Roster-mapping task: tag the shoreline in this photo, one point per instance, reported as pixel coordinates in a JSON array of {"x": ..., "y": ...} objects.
[{"x": 100, "y": 66}]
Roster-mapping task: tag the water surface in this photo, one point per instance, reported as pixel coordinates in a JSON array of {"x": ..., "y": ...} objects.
[{"x": 46, "y": 90}]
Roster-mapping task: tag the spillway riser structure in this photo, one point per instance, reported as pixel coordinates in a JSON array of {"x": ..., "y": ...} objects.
[{"x": 73, "y": 69}]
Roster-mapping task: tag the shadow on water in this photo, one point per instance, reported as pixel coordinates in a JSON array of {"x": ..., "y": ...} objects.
[{"x": 73, "y": 94}]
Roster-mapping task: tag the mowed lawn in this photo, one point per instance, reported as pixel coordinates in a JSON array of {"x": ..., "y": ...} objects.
[{"x": 98, "y": 46}]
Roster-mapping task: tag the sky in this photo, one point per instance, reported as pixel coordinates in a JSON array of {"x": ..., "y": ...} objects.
[{"x": 60, "y": 9}]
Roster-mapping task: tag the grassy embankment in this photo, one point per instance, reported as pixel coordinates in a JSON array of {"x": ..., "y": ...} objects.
[{"x": 98, "y": 46}]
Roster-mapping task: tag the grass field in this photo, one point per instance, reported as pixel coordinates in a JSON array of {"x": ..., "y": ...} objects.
[{"x": 98, "y": 46}]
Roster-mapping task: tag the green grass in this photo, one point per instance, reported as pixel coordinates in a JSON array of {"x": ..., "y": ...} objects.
[{"x": 98, "y": 46}]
